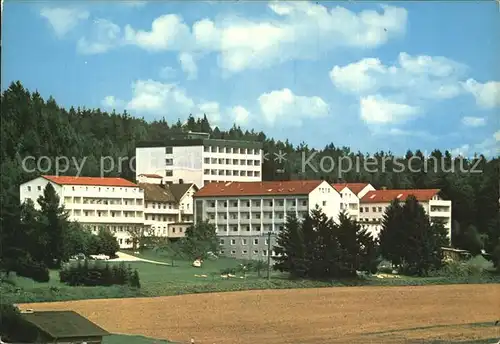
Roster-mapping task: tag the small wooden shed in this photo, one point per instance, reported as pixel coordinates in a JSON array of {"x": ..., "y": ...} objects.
[{"x": 65, "y": 327}]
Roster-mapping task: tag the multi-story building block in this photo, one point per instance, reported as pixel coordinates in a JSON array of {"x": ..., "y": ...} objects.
[
  {"x": 114, "y": 203},
  {"x": 374, "y": 203},
  {"x": 200, "y": 160},
  {"x": 244, "y": 212}
]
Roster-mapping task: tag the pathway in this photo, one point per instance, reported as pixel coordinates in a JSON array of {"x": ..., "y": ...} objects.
[{"x": 124, "y": 257}]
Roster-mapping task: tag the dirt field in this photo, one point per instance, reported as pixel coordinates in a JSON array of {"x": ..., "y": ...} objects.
[{"x": 305, "y": 316}]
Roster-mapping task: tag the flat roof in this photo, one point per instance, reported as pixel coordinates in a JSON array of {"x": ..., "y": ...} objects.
[{"x": 200, "y": 142}]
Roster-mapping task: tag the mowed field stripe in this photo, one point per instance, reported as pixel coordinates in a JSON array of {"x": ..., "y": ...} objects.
[{"x": 325, "y": 315}]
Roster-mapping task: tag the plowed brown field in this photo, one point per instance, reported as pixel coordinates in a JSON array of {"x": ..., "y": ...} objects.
[{"x": 304, "y": 316}]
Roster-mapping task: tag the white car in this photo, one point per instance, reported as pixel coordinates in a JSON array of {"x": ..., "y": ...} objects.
[{"x": 99, "y": 257}]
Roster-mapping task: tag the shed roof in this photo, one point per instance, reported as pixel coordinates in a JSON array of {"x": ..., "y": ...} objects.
[{"x": 64, "y": 324}]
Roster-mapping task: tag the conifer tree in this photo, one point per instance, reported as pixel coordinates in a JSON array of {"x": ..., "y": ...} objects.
[{"x": 392, "y": 236}]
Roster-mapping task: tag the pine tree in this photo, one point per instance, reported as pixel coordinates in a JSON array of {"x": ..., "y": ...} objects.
[
  {"x": 392, "y": 236},
  {"x": 423, "y": 241},
  {"x": 54, "y": 222},
  {"x": 290, "y": 249},
  {"x": 348, "y": 255}
]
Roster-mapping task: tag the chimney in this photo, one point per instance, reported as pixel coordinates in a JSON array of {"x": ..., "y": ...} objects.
[{"x": 383, "y": 188}]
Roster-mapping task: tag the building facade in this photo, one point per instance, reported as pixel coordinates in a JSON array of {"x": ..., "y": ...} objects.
[
  {"x": 374, "y": 203},
  {"x": 349, "y": 202},
  {"x": 168, "y": 208},
  {"x": 114, "y": 203},
  {"x": 244, "y": 213},
  {"x": 200, "y": 160}
]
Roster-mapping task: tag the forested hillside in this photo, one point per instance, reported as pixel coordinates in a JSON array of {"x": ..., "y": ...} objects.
[{"x": 32, "y": 126}]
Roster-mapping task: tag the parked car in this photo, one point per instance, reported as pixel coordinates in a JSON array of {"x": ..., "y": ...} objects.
[
  {"x": 99, "y": 257},
  {"x": 79, "y": 256}
]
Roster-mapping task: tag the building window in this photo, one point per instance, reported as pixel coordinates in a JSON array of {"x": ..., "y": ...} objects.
[
  {"x": 380, "y": 209},
  {"x": 255, "y": 241},
  {"x": 324, "y": 203},
  {"x": 39, "y": 188},
  {"x": 264, "y": 252},
  {"x": 29, "y": 188},
  {"x": 233, "y": 242},
  {"x": 243, "y": 241},
  {"x": 233, "y": 252},
  {"x": 361, "y": 209},
  {"x": 168, "y": 150}
]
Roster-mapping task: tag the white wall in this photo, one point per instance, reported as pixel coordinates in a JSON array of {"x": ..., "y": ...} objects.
[
  {"x": 366, "y": 189},
  {"x": 37, "y": 186},
  {"x": 349, "y": 199},
  {"x": 187, "y": 176},
  {"x": 150, "y": 160},
  {"x": 326, "y": 193},
  {"x": 187, "y": 158}
]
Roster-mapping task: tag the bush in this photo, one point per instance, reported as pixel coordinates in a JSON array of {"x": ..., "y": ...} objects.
[
  {"x": 13, "y": 328},
  {"x": 98, "y": 274},
  {"x": 474, "y": 267},
  {"x": 37, "y": 271}
]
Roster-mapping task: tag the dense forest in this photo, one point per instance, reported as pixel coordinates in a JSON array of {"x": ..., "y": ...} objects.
[{"x": 33, "y": 126}]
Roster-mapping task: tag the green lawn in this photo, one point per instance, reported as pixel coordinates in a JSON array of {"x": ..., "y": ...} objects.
[{"x": 163, "y": 280}]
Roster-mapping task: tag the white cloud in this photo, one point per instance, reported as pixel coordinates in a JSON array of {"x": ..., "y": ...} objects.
[
  {"x": 487, "y": 95},
  {"x": 490, "y": 146},
  {"x": 463, "y": 150},
  {"x": 303, "y": 30},
  {"x": 168, "y": 72},
  {"x": 212, "y": 110},
  {"x": 188, "y": 65},
  {"x": 110, "y": 102},
  {"x": 378, "y": 110},
  {"x": 104, "y": 36},
  {"x": 153, "y": 97},
  {"x": 473, "y": 121},
  {"x": 63, "y": 20},
  {"x": 420, "y": 76},
  {"x": 289, "y": 108},
  {"x": 168, "y": 32},
  {"x": 240, "y": 115}
]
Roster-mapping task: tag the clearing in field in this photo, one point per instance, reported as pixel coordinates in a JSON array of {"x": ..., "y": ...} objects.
[{"x": 426, "y": 314}]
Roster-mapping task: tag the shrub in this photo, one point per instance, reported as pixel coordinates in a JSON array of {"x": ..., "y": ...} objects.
[
  {"x": 37, "y": 271},
  {"x": 98, "y": 274},
  {"x": 474, "y": 267},
  {"x": 13, "y": 328}
]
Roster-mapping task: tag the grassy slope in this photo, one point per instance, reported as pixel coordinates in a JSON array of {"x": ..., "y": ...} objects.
[{"x": 161, "y": 280}]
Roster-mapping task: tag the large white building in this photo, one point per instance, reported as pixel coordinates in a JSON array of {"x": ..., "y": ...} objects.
[
  {"x": 374, "y": 203},
  {"x": 115, "y": 203},
  {"x": 200, "y": 160},
  {"x": 168, "y": 208},
  {"x": 244, "y": 212}
]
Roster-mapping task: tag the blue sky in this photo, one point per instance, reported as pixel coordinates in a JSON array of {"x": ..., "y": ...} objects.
[{"x": 392, "y": 76}]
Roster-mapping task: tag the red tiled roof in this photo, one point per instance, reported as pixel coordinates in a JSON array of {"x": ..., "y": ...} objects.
[
  {"x": 151, "y": 175},
  {"x": 96, "y": 181},
  {"x": 293, "y": 187},
  {"x": 383, "y": 196},
  {"x": 356, "y": 188}
]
